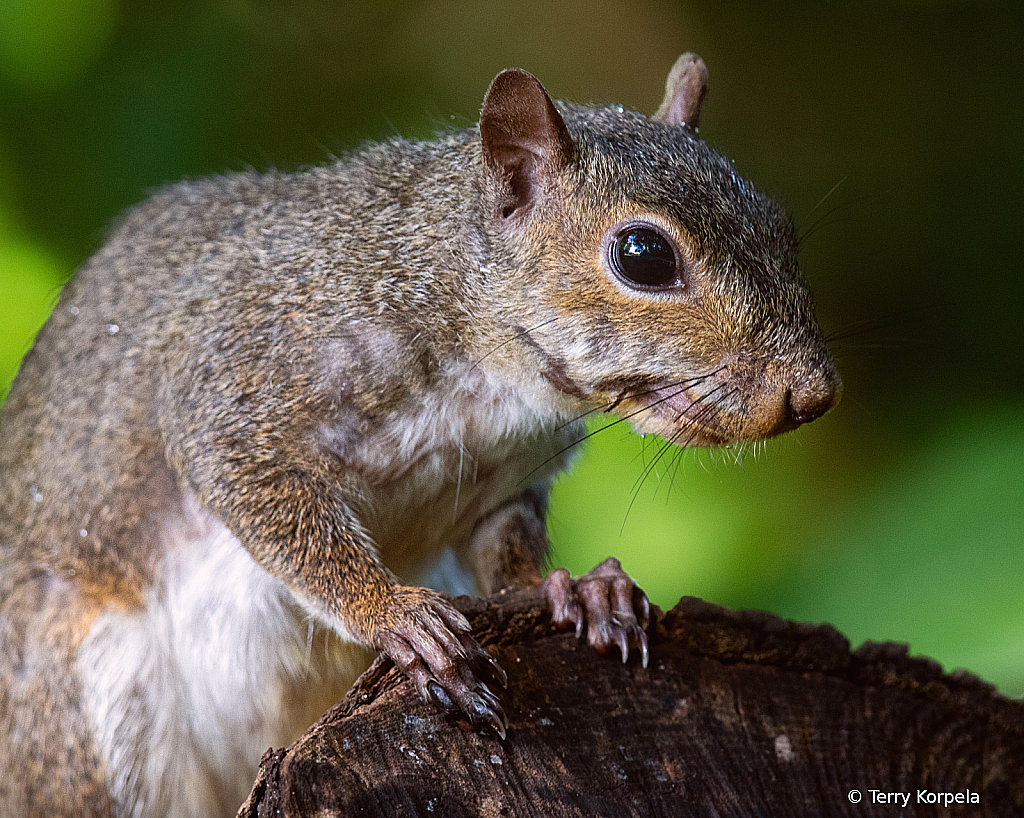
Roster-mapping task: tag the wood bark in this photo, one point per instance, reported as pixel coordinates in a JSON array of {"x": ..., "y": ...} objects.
[{"x": 738, "y": 714}]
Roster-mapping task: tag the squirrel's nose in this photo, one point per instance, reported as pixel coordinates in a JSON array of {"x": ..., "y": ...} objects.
[
  {"x": 809, "y": 401},
  {"x": 800, "y": 410},
  {"x": 786, "y": 394}
]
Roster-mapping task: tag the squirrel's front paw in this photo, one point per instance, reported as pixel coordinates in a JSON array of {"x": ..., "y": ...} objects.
[
  {"x": 607, "y": 601},
  {"x": 430, "y": 642}
]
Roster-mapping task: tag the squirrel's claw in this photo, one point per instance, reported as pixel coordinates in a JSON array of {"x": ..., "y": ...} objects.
[
  {"x": 495, "y": 669},
  {"x": 481, "y": 708},
  {"x": 430, "y": 642},
  {"x": 614, "y": 610},
  {"x": 487, "y": 711}
]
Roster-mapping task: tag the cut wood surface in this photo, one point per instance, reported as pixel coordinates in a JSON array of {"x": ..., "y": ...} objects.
[{"x": 738, "y": 714}]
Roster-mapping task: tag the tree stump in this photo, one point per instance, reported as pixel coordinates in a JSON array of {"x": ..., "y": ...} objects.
[{"x": 738, "y": 714}]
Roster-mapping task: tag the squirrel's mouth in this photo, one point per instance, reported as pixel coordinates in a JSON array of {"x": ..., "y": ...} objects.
[
  {"x": 728, "y": 405},
  {"x": 691, "y": 412}
]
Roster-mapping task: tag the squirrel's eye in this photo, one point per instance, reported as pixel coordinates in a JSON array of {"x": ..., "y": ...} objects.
[{"x": 644, "y": 258}]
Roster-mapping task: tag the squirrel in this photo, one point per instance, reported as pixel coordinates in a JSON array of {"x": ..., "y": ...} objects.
[{"x": 276, "y": 417}]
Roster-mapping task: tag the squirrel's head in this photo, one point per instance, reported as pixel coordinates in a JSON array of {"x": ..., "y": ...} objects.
[{"x": 653, "y": 281}]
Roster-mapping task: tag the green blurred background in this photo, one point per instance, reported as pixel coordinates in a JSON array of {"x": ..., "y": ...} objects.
[{"x": 898, "y": 516}]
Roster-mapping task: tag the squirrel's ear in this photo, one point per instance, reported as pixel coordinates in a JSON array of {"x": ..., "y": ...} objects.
[
  {"x": 524, "y": 138},
  {"x": 684, "y": 92}
]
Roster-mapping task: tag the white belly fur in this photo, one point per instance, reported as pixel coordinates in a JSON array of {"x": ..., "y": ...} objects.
[{"x": 221, "y": 664}]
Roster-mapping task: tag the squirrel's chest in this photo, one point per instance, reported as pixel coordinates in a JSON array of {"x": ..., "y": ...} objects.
[
  {"x": 438, "y": 503},
  {"x": 432, "y": 476}
]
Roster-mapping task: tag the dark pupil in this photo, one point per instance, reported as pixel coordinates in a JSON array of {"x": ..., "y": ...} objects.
[{"x": 645, "y": 257}]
